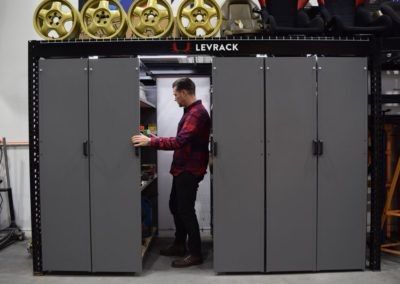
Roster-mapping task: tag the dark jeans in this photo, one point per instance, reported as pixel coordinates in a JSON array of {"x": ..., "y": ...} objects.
[{"x": 181, "y": 204}]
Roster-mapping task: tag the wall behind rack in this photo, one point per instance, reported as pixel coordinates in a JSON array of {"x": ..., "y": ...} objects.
[{"x": 16, "y": 30}]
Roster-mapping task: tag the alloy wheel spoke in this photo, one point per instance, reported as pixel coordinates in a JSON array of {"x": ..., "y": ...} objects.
[
  {"x": 43, "y": 13},
  {"x": 207, "y": 27},
  {"x": 61, "y": 30},
  {"x": 67, "y": 16},
  {"x": 211, "y": 12},
  {"x": 138, "y": 11},
  {"x": 104, "y": 4},
  {"x": 191, "y": 29},
  {"x": 115, "y": 15},
  {"x": 90, "y": 12},
  {"x": 92, "y": 28},
  {"x": 56, "y": 6},
  {"x": 45, "y": 28},
  {"x": 198, "y": 3},
  {"x": 109, "y": 30},
  {"x": 164, "y": 14}
]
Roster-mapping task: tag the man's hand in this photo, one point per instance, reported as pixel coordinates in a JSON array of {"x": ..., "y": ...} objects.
[{"x": 140, "y": 140}]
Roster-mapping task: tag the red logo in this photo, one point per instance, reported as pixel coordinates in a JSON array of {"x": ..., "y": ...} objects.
[{"x": 185, "y": 47}]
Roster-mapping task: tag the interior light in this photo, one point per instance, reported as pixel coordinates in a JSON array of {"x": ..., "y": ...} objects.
[{"x": 161, "y": 56}]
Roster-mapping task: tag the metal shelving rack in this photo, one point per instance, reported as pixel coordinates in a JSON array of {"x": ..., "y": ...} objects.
[
  {"x": 225, "y": 47},
  {"x": 377, "y": 180},
  {"x": 389, "y": 46}
]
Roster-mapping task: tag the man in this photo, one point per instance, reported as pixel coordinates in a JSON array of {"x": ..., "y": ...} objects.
[{"x": 188, "y": 167}]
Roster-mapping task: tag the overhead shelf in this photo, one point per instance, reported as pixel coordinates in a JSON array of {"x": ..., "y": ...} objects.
[{"x": 244, "y": 46}]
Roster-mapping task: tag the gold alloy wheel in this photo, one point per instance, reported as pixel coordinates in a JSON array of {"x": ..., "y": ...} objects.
[
  {"x": 56, "y": 20},
  {"x": 150, "y": 18},
  {"x": 199, "y": 18},
  {"x": 102, "y": 19}
]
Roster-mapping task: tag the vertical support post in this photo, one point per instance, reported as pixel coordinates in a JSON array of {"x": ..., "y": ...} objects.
[
  {"x": 33, "y": 83},
  {"x": 377, "y": 174}
]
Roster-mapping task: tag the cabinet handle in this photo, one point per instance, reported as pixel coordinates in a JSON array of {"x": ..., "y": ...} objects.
[
  {"x": 86, "y": 148},
  {"x": 315, "y": 147},
  {"x": 320, "y": 148}
]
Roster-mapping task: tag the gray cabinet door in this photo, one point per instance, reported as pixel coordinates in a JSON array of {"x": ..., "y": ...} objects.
[
  {"x": 238, "y": 188},
  {"x": 342, "y": 169},
  {"x": 114, "y": 167},
  {"x": 291, "y": 168},
  {"x": 64, "y": 170}
]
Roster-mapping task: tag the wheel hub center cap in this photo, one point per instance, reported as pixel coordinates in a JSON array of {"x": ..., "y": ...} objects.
[
  {"x": 54, "y": 18},
  {"x": 200, "y": 16},
  {"x": 102, "y": 17}
]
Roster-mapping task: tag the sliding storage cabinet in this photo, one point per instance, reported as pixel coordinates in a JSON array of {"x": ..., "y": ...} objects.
[
  {"x": 238, "y": 163},
  {"x": 302, "y": 205},
  {"x": 64, "y": 166},
  {"x": 316, "y": 128},
  {"x": 342, "y": 167},
  {"x": 89, "y": 171},
  {"x": 291, "y": 170}
]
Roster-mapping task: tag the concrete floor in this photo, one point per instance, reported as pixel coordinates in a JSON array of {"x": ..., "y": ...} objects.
[{"x": 16, "y": 267}]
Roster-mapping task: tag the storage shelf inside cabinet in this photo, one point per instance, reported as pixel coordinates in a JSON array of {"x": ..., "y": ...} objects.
[
  {"x": 147, "y": 183},
  {"x": 146, "y": 104},
  {"x": 147, "y": 241}
]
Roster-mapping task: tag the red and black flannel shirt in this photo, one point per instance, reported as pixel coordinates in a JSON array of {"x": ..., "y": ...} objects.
[{"x": 191, "y": 142}]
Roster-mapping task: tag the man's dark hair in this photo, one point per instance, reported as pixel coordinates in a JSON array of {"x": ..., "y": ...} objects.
[{"x": 185, "y": 84}]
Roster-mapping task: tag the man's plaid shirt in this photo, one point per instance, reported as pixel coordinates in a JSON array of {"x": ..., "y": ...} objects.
[{"x": 191, "y": 142}]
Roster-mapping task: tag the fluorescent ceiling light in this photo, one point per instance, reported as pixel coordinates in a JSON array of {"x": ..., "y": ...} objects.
[
  {"x": 172, "y": 72},
  {"x": 161, "y": 56}
]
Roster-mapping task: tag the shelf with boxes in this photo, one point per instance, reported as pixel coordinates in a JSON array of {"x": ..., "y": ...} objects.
[{"x": 148, "y": 163}]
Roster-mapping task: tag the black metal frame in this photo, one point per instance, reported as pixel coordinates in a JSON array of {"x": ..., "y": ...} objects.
[
  {"x": 250, "y": 46},
  {"x": 377, "y": 182},
  {"x": 34, "y": 162}
]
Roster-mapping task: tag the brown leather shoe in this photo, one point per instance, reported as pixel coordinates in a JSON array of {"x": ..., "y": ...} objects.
[
  {"x": 187, "y": 261},
  {"x": 174, "y": 250}
]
